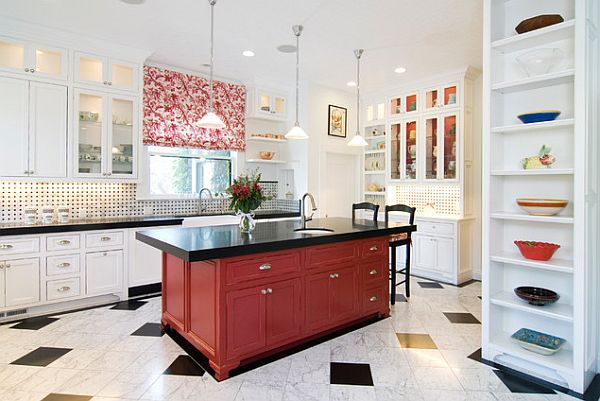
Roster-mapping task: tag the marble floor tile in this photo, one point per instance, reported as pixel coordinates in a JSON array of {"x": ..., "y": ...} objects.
[
  {"x": 252, "y": 391},
  {"x": 352, "y": 393},
  {"x": 425, "y": 357},
  {"x": 19, "y": 395},
  {"x": 306, "y": 392},
  {"x": 304, "y": 371},
  {"x": 113, "y": 360},
  {"x": 128, "y": 385},
  {"x": 87, "y": 382},
  {"x": 46, "y": 380},
  {"x": 411, "y": 340},
  {"x": 436, "y": 379},
  {"x": 353, "y": 374},
  {"x": 480, "y": 379},
  {"x": 34, "y": 323},
  {"x": 42, "y": 356},
  {"x": 394, "y": 393},
  {"x": 173, "y": 388},
  {"x": 11, "y": 375}
]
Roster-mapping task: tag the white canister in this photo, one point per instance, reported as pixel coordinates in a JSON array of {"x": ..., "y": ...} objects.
[
  {"x": 63, "y": 214},
  {"x": 47, "y": 215},
  {"x": 30, "y": 215}
]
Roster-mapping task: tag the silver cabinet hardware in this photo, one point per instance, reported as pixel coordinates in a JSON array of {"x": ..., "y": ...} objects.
[
  {"x": 1, "y": 267},
  {"x": 105, "y": 82},
  {"x": 7, "y": 265},
  {"x": 30, "y": 171},
  {"x": 104, "y": 254},
  {"x": 269, "y": 290},
  {"x": 373, "y": 248},
  {"x": 63, "y": 289},
  {"x": 26, "y": 69},
  {"x": 6, "y": 246},
  {"x": 265, "y": 266},
  {"x": 26, "y": 172},
  {"x": 63, "y": 265},
  {"x": 373, "y": 272},
  {"x": 104, "y": 239},
  {"x": 109, "y": 83},
  {"x": 64, "y": 242},
  {"x": 32, "y": 70},
  {"x": 109, "y": 174},
  {"x": 373, "y": 299},
  {"x": 264, "y": 292},
  {"x": 334, "y": 275}
]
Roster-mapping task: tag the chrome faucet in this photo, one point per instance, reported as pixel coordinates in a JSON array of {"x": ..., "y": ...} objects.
[
  {"x": 303, "y": 215},
  {"x": 210, "y": 196}
]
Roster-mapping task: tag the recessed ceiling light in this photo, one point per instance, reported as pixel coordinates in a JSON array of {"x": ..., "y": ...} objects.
[
  {"x": 206, "y": 65},
  {"x": 400, "y": 70},
  {"x": 351, "y": 83},
  {"x": 248, "y": 53},
  {"x": 133, "y": 1},
  {"x": 287, "y": 48}
]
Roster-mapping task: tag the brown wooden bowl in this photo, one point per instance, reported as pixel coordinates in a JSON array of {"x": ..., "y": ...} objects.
[{"x": 537, "y": 22}]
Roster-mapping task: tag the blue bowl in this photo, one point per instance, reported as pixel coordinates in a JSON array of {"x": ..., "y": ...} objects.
[
  {"x": 539, "y": 116},
  {"x": 541, "y": 343}
]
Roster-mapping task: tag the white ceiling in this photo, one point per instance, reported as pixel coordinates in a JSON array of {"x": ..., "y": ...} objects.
[{"x": 425, "y": 36}]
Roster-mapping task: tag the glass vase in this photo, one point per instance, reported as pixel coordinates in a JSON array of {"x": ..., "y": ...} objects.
[{"x": 247, "y": 222}]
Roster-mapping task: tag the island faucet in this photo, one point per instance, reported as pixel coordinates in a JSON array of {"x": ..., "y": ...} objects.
[
  {"x": 303, "y": 215},
  {"x": 210, "y": 196}
]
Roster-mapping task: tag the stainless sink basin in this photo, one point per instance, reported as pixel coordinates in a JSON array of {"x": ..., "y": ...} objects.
[{"x": 314, "y": 230}]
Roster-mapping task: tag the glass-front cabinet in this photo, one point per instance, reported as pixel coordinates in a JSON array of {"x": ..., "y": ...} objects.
[
  {"x": 408, "y": 103},
  {"x": 91, "y": 69},
  {"x": 404, "y": 150},
  {"x": 450, "y": 145},
  {"x": 441, "y": 147},
  {"x": 440, "y": 97},
  {"x": 106, "y": 135},
  {"x": 375, "y": 112},
  {"x": 431, "y": 148},
  {"x": 271, "y": 104},
  {"x": 30, "y": 58}
]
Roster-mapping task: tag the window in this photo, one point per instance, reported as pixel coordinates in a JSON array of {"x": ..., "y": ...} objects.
[{"x": 179, "y": 172}]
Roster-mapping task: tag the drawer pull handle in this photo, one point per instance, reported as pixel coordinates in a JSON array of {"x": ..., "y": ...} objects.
[
  {"x": 269, "y": 291},
  {"x": 334, "y": 275},
  {"x": 104, "y": 239},
  {"x": 373, "y": 248},
  {"x": 373, "y": 272},
  {"x": 266, "y": 291},
  {"x": 64, "y": 242},
  {"x": 63, "y": 265},
  {"x": 373, "y": 299},
  {"x": 63, "y": 289},
  {"x": 265, "y": 266},
  {"x": 6, "y": 246},
  {"x": 7, "y": 265}
]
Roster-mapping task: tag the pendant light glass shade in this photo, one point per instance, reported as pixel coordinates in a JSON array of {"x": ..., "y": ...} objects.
[
  {"x": 211, "y": 120},
  {"x": 358, "y": 139},
  {"x": 297, "y": 132}
]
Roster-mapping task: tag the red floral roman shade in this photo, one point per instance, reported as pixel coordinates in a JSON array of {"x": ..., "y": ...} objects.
[{"x": 175, "y": 102}]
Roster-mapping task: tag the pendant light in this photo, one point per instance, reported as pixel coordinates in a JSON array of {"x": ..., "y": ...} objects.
[
  {"x": 358, "y": 140},
  {"x": 210, "y": 119},
  {"x": 297, "y": 132}
]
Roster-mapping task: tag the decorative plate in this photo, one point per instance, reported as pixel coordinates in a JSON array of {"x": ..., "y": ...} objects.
[
  {"x": 540, "y": 343},
  {"x": 539, "y": 116}
]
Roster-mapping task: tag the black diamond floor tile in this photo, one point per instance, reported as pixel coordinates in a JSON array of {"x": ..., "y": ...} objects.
[
  {"x": 129, "y": 305},
  {"x": 461, "y": 318},
  {"x": 518, "y": 385},
  {"x": 66, "y": 397},
  {"x": 479, "y": 296},
  {"x": 184, "y": 366},
  {"x": 149, "y": 330},
  {"x": 354, "y": 374},
  {"x": 34, "y": 323},
  {"x": 476, "y": 356},
  {"x": 428, "y": 284},
  {"x": 42, "y": 356}
]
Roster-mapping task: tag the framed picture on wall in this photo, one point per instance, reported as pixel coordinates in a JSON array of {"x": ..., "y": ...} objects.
[{"x": 337, "y": 121}]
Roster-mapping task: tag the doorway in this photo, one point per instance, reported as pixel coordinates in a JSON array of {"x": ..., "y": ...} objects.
[{"x": 340, "y": 188}]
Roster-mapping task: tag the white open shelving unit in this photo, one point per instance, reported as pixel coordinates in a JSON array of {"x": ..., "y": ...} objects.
[
  {"x": 375, "y": 135},
  {"x": 572, "y": 88}
]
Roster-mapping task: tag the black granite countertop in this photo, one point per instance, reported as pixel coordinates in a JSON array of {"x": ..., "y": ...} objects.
[
  {"x": 110, "y": 223},
  {"x": 203, "y": 243}
]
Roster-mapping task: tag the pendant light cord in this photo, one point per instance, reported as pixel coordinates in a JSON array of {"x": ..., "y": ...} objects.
[
  {"x": 358, "y": 94},
  {"x": 297, "y": 31},
  {"x": 212, "y": 45}
]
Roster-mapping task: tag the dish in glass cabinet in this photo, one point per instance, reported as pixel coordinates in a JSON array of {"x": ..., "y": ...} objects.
[
  {"x": 538, "y": 116},
  {"x": 535, "y": 250},
  {"x": 542, "y": 206},
  {"x": 540, "y": 343},
  {"x": 537, "y": 296},
  {"x": 540, "y": 61}
]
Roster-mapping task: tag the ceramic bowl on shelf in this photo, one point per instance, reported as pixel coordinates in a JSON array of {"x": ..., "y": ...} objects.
[
  {"x": 540, "y": 343},
  {"x": 542, "y": 206},
  {"x": 536, "y": 250},
  {"x": 540, "y": 61},
  {"x": 538, "y": 22},
  {"x": 538, "y": 116},
  {"x": 537, "y": 296},
  {"x": 266, "y": 155}
]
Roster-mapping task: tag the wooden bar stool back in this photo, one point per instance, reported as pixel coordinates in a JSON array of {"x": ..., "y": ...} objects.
[{"x": 397, "y": 241}]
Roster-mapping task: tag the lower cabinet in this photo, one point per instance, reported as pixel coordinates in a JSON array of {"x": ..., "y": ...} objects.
[
  {"x": 21, "y": 282},
  {"x": 104, "y": 272},
  {"x": 434, "y": 254}
]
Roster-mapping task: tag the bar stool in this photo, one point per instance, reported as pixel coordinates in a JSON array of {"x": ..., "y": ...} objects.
[
  {"x": 396, "y": 241},
  {"x": 365, "y": 206}
]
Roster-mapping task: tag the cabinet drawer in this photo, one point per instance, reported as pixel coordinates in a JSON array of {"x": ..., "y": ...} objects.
[
  {"x": 59, "y": 289},
  {"x": 262, "y": 266},
  {"x": 63, "y": 242},
  {"x": 64, "y": 264},
  {"x": 374, "y": 247},
  {"x": 374, "y": 272},
  {"x": 334, "y": 253},
  {"x": 436, "y": 228},
  {"x": 375, "y": 298},
  {"x": 104, "y": 239},
  {"x": 13, "y": 246}
]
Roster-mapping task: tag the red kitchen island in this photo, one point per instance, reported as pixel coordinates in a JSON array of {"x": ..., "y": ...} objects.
[{"x": 237, "y": 297}]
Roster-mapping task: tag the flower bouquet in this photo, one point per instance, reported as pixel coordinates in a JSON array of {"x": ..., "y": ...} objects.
[{"x": 246, "y": 196}]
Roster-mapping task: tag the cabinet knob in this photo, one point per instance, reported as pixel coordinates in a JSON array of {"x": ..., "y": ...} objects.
[
  {"x": 32, "y": 70},
  {"x": 373, "y": 299},
  {"x": 109, "y": 83},
  {"x": 6, "y": 246},
  {"x": 104, "y": 239},
  {"x": 26, "y": 69},
  {"x": 264, "y": 292},
  {"x": 334, "y": 275},
  {"x": 63, "y": 289},
  {"x": 373, "y": 272},
  {"x": 7, "y": 265},
  {"x": 26, "y": 172},
  {"x": 64, "y": 242},
  {"x": 108, "y": 174},
  {"x": 373, "y": 248},
  {"x": 265, "y": 266},
  {"x": 63, "y": 265},
  {"x": 105, "y": 254},
  {"x": 105, "y": 82},
  {"x": 269, "y": 291}
]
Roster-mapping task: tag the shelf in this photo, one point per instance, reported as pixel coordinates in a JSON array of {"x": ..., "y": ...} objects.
[
  {"x": 375, "y": 172},
  {"x": 554, "y": 264},
  {"x": 556, "y": 310},
  {"x": 375, "y": 137},
  {"x": 552, "y": 33},
  {"x": 566, "y": 122},
  {"x": 375, "y": 123},
  {"x": 527, "y": 217},
  {"x": 272, "y": 140},
  {"x": 370, "y": 193},
  {"x": 265, "y": 161},
  {"x": 540, "y": 81},
  {"x": 561, "y": 361},
  {"x": 374, "y": 152},
  {"x": 539, "y": 171}
]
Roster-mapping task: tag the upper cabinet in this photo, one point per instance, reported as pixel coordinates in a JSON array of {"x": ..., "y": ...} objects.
[
  {"x": 375, "y": 113},
  {"x": 404, "y": 104},
  {"x": 33, "y": 59},
  {"x": 101, "y": 71},
  {"x": 441, "y": 97},
  {"x": 267, "y": 105}
]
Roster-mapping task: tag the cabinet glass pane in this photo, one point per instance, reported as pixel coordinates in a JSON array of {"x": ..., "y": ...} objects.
[
  {"x": 411, "y": 150},
  {"x": 450, "y": 147},
  {"x": 431, "y": 148},
  {"x": 396, "y": 140},
  {"x": 12, "y": 55},
  {"x": 450, "y": 96},
  {"x": 122, "y": 136},
  {"x": 411, "y": 103},
  {"x": 90, "y": 69},
  {"x": 380, "y": 111},
  {"x": 370, "y": 113},
  {"x": 122, "y": 76},
  {"x": 396, "y": 106},
  {"x": 279, "y": 105},
  {"x": 265, "y": 103},
  {"x": 48, "y": 62},
  {"x": 431, "y": 99},
  {"x": 90, "y": 134}
]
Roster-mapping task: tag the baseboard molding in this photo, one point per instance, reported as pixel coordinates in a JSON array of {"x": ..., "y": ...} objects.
[{"x": 142, "y": 290}]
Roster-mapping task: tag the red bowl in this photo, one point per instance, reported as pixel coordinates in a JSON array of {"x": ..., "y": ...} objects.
[{"x": 536, "y": 250}]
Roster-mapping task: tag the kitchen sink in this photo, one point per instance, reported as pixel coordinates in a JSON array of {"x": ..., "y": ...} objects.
[{"x": 314, "y": 230}]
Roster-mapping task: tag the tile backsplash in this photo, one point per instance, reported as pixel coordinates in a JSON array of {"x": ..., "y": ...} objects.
[
  {"x": 100, "y": 199},
  {"x": 444, "y": 198}
]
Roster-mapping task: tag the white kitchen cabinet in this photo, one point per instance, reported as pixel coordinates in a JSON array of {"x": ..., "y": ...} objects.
[
  {"x": 105, "y": 135},
  {"x": 33, "y": 59},
  {"x": 266, "y": 104},
  {"x": 2, "y": 285},
  {"x": 441, "y": 97},
  {"x": 104, "y": 272},
  {"x": 33, "y": 129},
  {"x": 106, "y": 72},
  {"x": 434, "y": 254},
  {"x": 22, "y": 281}
]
